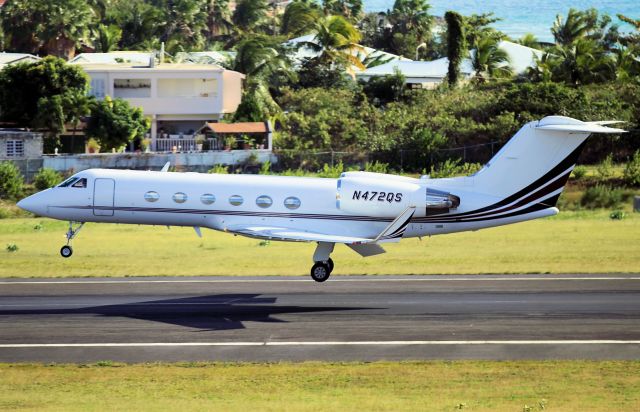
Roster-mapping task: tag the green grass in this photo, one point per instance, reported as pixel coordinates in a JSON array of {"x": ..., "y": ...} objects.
[
  {"x": 572, "y": 242},
  {"x": 312, "y": 386}
]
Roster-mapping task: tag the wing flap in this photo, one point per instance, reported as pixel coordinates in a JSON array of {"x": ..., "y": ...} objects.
[{"x": 292, "y": 235}]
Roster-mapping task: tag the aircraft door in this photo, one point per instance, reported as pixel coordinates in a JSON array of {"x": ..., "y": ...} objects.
[{"x": 103, "y": 194}]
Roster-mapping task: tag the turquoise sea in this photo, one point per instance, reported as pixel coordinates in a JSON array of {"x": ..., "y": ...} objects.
[{"x": 523, "y": 16}]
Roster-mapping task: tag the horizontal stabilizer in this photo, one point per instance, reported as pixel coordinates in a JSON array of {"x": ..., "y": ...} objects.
[{"x": 567, "y": 124}]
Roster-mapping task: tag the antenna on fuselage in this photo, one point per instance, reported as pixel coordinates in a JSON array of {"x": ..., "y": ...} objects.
[{"x": 165, "y": 168}]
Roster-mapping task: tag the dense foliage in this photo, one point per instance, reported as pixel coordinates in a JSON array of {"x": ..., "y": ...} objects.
[
  {"x": 590, "y": 72},
  {"x": 114, "y": 123}
]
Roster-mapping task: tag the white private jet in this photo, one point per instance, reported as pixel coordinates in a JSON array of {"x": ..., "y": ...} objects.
[{"x": 359, "y": 209}]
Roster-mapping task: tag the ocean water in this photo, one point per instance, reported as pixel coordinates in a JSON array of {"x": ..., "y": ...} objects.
[{"x": 523, "y": 16}]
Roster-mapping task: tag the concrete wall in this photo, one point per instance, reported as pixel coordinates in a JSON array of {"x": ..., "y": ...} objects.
[{"x": 187, "y": 162}]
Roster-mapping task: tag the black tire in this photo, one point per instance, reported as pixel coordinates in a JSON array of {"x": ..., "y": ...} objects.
[
  {"x": 330, "y": 263},
  {"x": 320, "y": 272},
  {"x": 66, "y": 251}
]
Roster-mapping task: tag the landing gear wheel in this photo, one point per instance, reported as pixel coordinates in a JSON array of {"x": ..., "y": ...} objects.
[
  {"x": 330, "y": 263},
  {"x": 320, "y": 272},
  {"x": 66, "y": 251}
]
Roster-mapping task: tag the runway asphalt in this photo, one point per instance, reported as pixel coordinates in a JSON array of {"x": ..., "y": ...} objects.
[{"x": 346, "y": 318}]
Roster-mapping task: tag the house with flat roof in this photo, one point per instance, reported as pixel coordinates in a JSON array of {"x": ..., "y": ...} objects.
[{"x": 177, "y": 98}]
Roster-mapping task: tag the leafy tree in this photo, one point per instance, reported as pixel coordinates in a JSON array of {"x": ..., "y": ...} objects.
[
  {"x": 385, "y": 89},
  {"x": 114, "y": 123},
  {"x": 42, "y": 94},
  {"x": 11, "y": 181},
  {"x": 56, "y": 27},
  {"x": 489, "y": 61},
  {"x": 455, "y": 45}
]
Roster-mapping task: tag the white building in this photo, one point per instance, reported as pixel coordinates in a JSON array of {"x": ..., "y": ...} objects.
[
  {"x": 178, "y": 98},
  {"x": 13, "y": 58},
  {"x": 428, "y": 74}
]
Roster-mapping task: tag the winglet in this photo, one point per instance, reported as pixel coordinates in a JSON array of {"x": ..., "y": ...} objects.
[
  {"x": 396, "y": 229},
  {"x": 165, "y": 168}
]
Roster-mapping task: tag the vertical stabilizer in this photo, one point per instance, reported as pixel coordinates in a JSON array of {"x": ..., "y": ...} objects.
[{"x": 539, "y": 158}]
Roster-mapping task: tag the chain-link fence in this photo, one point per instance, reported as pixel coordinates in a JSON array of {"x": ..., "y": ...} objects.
[{"x": 408, "y": 160}]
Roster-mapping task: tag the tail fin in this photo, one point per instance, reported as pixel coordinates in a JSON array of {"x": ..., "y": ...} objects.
[{"x": 542, "y": 154}]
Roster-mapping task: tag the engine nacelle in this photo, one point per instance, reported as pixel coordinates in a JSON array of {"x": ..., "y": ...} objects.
[
  {"x": 379, "y": 196},
  {"x": 375, "y": 197}
]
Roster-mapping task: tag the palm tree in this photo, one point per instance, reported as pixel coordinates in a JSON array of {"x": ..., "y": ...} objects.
[
  {"x": 106, "y": 38},
  {"x": 336, "y": 41},
  {"x": 583, "y": 61},
  {"x": 299, "y": 16},
  {"x": 141, "y": 24},
  {"x": 350, "y": 9},
  {"x": 218, "y": 18},
  {"x": 65, "y": 26},
  {"x": 249, "y": 14},
  {"x": 411, "y": 16},
  {"x": 567, "y": 31},
  {"x": 489, "y": 61},
  {"x": 529, "y": 40}
]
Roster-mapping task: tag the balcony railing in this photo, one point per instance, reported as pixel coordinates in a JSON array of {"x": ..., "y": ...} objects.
[{"x": 188, "y": 143}]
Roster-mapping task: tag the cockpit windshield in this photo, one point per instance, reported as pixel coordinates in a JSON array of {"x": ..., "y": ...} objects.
[
  {"x": 68, "y": 182},
  {"x": 74, "y": 182}
]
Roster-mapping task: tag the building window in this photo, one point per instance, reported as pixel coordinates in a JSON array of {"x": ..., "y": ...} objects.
[
  {"x": 151, "y": 196},
  {"x": 97, "y": 88},
  {"x": 207, "y": 198},
  {"x": 292, "y": 203},
  {"x": 264, "y": 201},
  {"x": 180, "y": 197},
  {"x": 131, "y": 88},
  {"x": 15, "y": 148},
  {"x": 236, "y": 200}
]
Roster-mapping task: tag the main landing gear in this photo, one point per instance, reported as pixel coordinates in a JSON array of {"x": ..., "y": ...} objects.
[
  {"x": 323, "y": 266},
  {"x": 66, "y": 251}
]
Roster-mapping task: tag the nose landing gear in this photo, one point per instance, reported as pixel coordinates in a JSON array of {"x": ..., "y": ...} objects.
[{"x": 66, "y": 251}]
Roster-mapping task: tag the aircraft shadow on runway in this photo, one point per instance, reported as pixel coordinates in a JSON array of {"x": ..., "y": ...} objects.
[{"x": 211, "y": 312}]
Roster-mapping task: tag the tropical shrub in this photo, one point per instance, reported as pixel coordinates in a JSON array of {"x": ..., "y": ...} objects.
[
  {"x": 11, "y": 181},
  {"x": 46, "y": 178}
]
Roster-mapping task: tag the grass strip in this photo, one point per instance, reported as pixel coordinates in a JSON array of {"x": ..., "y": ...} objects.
[
  {"x": 573, "y": 242},
  {"x": 314, "y": 386}
]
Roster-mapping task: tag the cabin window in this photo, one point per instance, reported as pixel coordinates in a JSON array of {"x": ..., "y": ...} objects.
[
  {"x": 207, "y": 198},
  {"x": 264, "y": 201},
  {"x": 236, "y": 200},
  {"x": 80, "y": 183},
  {"x": 292, "y": 202},
  {"x": 151, "y": 196},
  {"x": 179, "y": 197}
]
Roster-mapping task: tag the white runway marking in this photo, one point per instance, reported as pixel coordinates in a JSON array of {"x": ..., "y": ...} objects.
[
  {"x": 480, "y": 278},
  {"x": 329, "y": 343}
]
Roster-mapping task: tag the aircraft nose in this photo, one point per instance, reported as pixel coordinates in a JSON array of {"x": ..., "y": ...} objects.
[{"x": 32, "y": 204}]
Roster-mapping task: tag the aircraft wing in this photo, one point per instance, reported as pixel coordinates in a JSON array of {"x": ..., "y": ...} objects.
[
  {"x": 292, "y": 235},
  {"x": 392, "y": 233}
]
